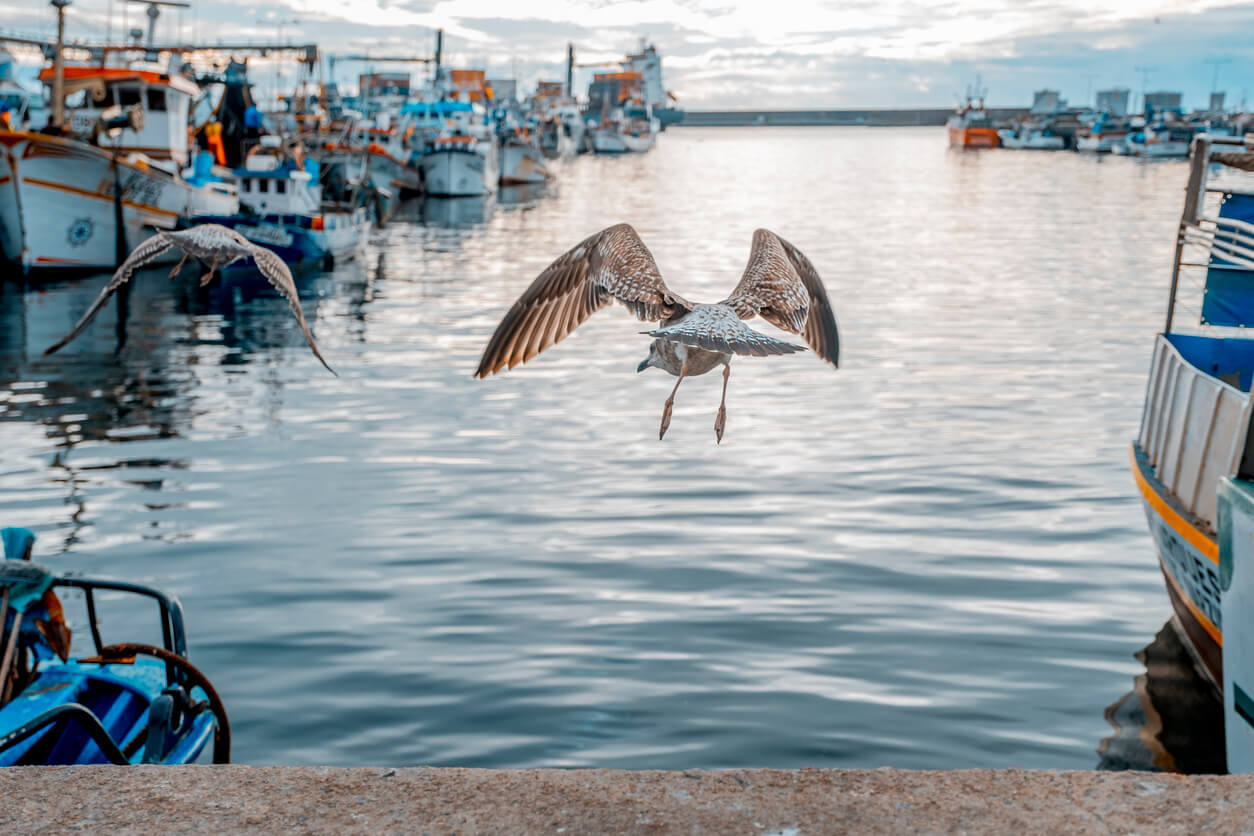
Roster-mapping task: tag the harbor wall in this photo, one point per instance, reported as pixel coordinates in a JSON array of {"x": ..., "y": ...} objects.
[
  {"x": 800, "y": 118},
  {"x": 237, "y": 799}
]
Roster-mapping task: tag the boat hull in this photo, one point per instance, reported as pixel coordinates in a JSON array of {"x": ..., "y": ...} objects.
[
  {"x": 57, "y": 202},
  {"x": 294, "y": 239},
  {"x": 1100, "y": 143},
  {"x": 388, "y": 171},
  {"x": 521, "y": 165},
  {"x": 455, "y": 173},
  {"x": 1189, "y": 560},
  {"x": 973, "y": 137},
  {"x": 615, "y": 142}
]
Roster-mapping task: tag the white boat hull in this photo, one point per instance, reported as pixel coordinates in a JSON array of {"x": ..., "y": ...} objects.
[
  {"x": 1100, "y": 143},
  {"x": 522, "y": 164},
  {"x": 342, "y": 233},
  {"x": 1157, "y": 149},
  {"x": 455, "y": 173},
  {"x": 606, "y": 141},
  {"x": 388, "y": 171},
  {"x": 57, "y": 202}
]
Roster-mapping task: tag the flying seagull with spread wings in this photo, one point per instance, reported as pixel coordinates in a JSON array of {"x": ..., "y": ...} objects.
[
  {"x": 779, "y": 284},
  {"x": 215, "y": 246}
]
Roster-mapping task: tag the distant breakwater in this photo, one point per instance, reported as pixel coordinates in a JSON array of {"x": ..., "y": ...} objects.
[{"x": 798, "y": 118}]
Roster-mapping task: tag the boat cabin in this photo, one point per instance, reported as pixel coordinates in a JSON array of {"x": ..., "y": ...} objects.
[
  {"x": 165, "y": 100},
  {"x": 273, "y": 183}
]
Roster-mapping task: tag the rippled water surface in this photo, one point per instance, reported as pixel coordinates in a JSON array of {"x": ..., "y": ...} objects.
[{"x": 932, "y": 557}]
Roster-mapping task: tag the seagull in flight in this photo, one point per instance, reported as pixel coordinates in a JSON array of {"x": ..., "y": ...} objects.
[
  {"x": 779, "y": 284},
  {"x": 215, "y": 246}
]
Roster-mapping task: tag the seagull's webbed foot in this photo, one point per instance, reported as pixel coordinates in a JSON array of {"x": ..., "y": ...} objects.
[
  {"x": 670, "y": 402},
  {"x": 179, "y": 266},
  {"x": 208, "y": 277}
]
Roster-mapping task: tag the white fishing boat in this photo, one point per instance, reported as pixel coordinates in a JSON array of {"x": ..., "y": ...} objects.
[
  {"x": 1158, "y": 139},
  {"x": 1195, "y": 426},
  {"x": 456, "y": 166},
  {"x": 388, "y": 156},
  {"x": 1103, "y": 136},
  {"x": 521, "y": 161},
  {"x": 60, "y": 195},
  {"x": 624, "y": 134},
  {"x": 1030, "y": 138}
]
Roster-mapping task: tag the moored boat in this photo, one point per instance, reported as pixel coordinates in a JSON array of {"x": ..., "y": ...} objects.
[
  {"x": 1030, "y": 138},
  {"x": 1195, "y": 427},
  {"x": 60, "y": 196},
  {"x": 455, "y": 165},
  {"x": 122, "y": 704},
  {"x": 521, "y": 160},
  {"x": 971, "y": 126}
]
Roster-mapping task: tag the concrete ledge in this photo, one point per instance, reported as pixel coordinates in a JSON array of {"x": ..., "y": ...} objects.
[{"x": 222, "y": 799}]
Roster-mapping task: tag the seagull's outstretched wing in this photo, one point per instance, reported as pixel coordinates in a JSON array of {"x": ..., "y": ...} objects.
[
  {"x": 274, "y": 269},
  {"x": 141, "y": 255},
  {"x": 782, "y": 286},
  {"x": 613, "y": 264}
]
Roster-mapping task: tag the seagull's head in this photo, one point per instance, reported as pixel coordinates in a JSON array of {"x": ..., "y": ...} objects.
[{"x": 651, "y": 360}]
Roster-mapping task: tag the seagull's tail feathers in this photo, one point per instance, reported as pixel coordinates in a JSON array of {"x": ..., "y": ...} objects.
[{"x": 717, "y": 328}]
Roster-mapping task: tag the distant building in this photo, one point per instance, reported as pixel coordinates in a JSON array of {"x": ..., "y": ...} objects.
[
  {"x": 1047, "y": 103},
  {"x": 1114, "y": 102},
  {"x": 1216, "y": 102},
  {"x": 1161, "y": 101},
  {"x": 373, "y": 85}
]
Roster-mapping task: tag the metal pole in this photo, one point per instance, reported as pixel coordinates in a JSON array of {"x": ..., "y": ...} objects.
[
  {"x": 570, "y": 70},
  {"x": 1197, "y": 181},
  {"x": 58, "y": 67}
]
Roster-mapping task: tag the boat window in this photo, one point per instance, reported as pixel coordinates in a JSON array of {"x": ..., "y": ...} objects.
[
  {"x": 280, "y": 186},
  {"x": 127, "y": 95},
  {"x": 247, "y": 185},
  {"x": 156, "y": 98},
  {"x": 263, "y": 186}
]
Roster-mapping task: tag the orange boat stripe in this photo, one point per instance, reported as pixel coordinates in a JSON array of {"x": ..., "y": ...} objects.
[{"x": 1172, "y": 517}]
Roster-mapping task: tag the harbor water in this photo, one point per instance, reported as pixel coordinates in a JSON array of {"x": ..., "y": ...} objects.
[{"x": 933, "y": 557}]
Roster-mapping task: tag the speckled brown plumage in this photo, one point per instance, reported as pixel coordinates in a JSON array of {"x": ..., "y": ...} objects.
[{"x": 779, "y": 284}]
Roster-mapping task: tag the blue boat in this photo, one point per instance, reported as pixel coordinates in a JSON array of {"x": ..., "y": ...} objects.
[{"x": 125, "y": 704}]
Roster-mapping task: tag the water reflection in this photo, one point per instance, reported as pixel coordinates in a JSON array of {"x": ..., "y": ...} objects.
[
  {"x": 523, "y": 196},
  {"x": 1172, "y": 719},
  {"x": 455, "y": 212}
]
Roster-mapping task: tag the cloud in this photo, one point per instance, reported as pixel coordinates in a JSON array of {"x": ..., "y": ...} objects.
[{"x": 804, "y": 54}]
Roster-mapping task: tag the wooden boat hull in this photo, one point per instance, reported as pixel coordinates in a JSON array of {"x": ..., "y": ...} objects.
[{"x": 1189, "y": 559}]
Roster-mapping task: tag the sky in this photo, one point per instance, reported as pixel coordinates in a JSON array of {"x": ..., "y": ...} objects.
[{"x": 724, "y": 54}]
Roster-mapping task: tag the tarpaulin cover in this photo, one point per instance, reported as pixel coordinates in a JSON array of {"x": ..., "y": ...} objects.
[{"x": 1229, "y": 298}]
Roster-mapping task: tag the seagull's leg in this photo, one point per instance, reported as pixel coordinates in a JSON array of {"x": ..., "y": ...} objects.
[
  {"x": 670, "y": 402},
  {"x": 182, "y": 261},
  {"x": 208, "y": 277},
  {"x": 721, "y": 420}
]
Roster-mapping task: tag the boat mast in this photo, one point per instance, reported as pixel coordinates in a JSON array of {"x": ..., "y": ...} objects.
[{"x": 58, "y": 67}]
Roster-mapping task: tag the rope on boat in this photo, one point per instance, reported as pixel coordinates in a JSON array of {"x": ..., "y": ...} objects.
[{"x": 222, "y": 728}]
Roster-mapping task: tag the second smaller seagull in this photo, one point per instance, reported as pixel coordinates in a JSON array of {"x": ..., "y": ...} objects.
[
  {"x": 215, "y": 246},
  {"x": 779, "y": 284}
]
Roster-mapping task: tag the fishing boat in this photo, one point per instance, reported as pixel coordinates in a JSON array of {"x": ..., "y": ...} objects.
[
  {"x": 971, "y": 126},
  {"x": 123, "y": 704},
  {"x": 388, "y": 157},
  {"x": 283, "y": 208},
  {"x": 122, "y": 153},
  {"x": 1030, "y": 138},
  {"x": 1158, "y": 139},
  {"x": 521, "y": 160},
  {"x": 456, "y": 165},
  {"x": 1195, "y": 426},
  {"x": 1103, "y": 136},
  {"x": 625, "y": 132}
]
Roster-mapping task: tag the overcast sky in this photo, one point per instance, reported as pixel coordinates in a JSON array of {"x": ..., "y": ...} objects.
[{"x": 782, "y": 54}]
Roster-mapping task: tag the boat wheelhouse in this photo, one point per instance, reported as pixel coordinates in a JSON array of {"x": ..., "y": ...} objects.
[{"x": 1195, "y": 427}]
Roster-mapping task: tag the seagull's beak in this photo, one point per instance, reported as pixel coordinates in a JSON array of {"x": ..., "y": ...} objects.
[{"x": 643, "y": 365}]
